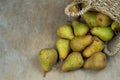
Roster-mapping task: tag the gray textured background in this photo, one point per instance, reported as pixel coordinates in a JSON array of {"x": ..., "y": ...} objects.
[{"x": 26, "y": 26}]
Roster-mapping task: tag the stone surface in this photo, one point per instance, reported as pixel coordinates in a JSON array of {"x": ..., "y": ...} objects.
[{"x": 26, "y": 27}]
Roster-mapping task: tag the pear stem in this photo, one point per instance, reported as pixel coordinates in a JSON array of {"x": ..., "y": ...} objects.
[
  {"x": 61, "y": 60},
  {"x": 44, "y": 74}
]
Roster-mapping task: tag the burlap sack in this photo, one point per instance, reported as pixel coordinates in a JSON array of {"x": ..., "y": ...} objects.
[{"x": 108, "y": 7}]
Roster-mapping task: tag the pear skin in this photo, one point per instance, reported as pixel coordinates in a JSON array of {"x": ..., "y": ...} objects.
[
  {"x": 97, "y": 61},
  {"x": 80, "y": 29},
  {"x": 79, "y": 43},
  {"x": 65, "y": 31},
  {"x": 90, "y": 18},
  {"x": 74, "y": 61},
  {"x": 47, "y": 58},
  {"x": 73, "y": 9},
  {"x": 104, "y": 33},
  {"x": 115, "y": 26},
  {"x": 103, "y": 20},
  {"x": 96, "y": 46},
  {"x": 63, "y": 47}
]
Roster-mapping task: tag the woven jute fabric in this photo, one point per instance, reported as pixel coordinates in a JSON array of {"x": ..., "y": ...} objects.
[{"x": 108, "y": 7}]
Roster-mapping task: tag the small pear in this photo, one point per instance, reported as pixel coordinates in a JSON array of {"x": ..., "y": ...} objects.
[
  {"x": 115, "y": 26},
  {"x": 74, "y": 61},
  {"x": 65, "y": 31},
  {"x": 96, "y": 46},
  {"x": 63, "y": 47},
  {"x": 73, "y": 9},
  {"x": 96, "y": 62},
  {"x": 80, "y": 29},
  {"x": 103, "y": 20},
  {"x": 79, "y": 43},
  {"x": 104, "y": 33},
  {"x": 47, "y": 57},
  {"x": 90, "y": 18}
]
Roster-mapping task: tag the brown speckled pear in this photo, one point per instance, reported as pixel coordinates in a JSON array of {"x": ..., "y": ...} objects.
[{"x": 96, "y": 62}]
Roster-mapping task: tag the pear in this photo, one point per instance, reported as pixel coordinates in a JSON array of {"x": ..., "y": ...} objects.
[
  {"x": 47, "y": 58},
  {"x": 96, "y": 61},
  {"x": 104, "y": 33},
  {"x": 96, "y": 46},
  {"x": 90, "y": 18},
  {"x": 103, "y": 20},
  {"x": 115, "y": 26},
  {"x": 63, "y": 47},
  {"x": 73, "y": 9},
  {"x": 74, "y": 61},
  {"x": 79, "y": 43},
  {"x": 80, "y": 29},
  {"x": 65, "y": 31}
]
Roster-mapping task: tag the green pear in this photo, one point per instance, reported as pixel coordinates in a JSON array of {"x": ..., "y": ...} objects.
[
  {"x": 90, "y": 18},
  {"x": 96, "y": 46},
  {"x": 47, "y": 57},
  {"x": 63, "y": 47},
  {"x": 65, "y": 31},
  {"x": 74, "y": 61},
  {"x": 115, "y": 26},
  {"x": 103, "y": 20},
  {"x": 104, "y": 33},
  {"x": 79, "y": 43},
  {"x": 96, "y": 62},
  {"x": 80, "y": 29}
]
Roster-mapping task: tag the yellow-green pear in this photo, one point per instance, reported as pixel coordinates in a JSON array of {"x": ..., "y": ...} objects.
[
  {"x": 74, "y": 61},
  {"x": 103, "y": 20},
  {"x": 115, "y": 26},
  {"x": 73, "y": 9},
  {"x": 96, "y": 46},
  {"x": 47, "y": 58},
  {"x": 104, "y": 33},
  {"x": 63, "y": 47},
  {"x": 80, "y": 29},
  {"x": 65, "y": 31},
  {"x": 79, "y": 43},
  {"x": 90, "y": 18},
  {"x": 97, "y": 61}
]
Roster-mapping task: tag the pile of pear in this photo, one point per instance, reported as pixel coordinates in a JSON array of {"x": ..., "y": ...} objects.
[{"x": 80, "y": 44}]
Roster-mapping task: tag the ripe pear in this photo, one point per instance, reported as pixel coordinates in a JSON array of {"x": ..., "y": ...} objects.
[
  {"x": 47, "y": 57},
  {"x": 96, "y": 61},
  {"x": 90, "y": 18},
  {"x": 79, "y": 43},
  {"x": 96, "y": 46},
  {"x": 115, "y": 26},
  {"x": 65, "y": 31},
  {"x": 74, "y": 61},
  {"x": 103, "y": 20},
  {"x": 80, "y": 29},
  {"x": 104, "y": 33},
  {"x": 73, "y": 9},
  {"x": 63, "y": 47}
]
